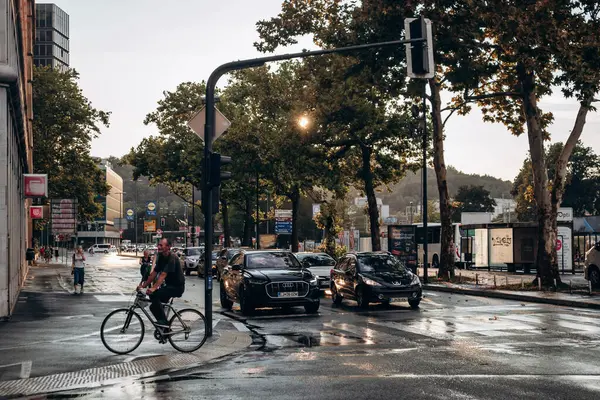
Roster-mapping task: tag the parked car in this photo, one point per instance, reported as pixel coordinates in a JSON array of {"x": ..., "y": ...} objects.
[
  {"x": 592, "y": 265},
  {"x": 374, "y": 277},
  {"x": 101, "y": 248},
  {"x": 319, "y": 264},
  {"x": 268, "y": 278},
  {"x": 192, "y": 260}
]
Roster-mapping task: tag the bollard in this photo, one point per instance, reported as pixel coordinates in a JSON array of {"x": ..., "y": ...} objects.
[
  {"x": 539, "y": 283},
  {"x": 459, "y": 277},
  {"x": 590, "y": 287},
  {"x": 522, "y": 284},
  {"x": 555, "y": 286},
  {"x": 571, "y": 287},
  {"x": 494, "y": 281},
  {"x": 476, "y": 279},
  {"x": 507, "y": 281},
  {"x": 449, "y": 278}
]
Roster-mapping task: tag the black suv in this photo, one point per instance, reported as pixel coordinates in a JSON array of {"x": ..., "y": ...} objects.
[
  {"x": 268, "y": 278},
  {"x": 374, "y": 277}
]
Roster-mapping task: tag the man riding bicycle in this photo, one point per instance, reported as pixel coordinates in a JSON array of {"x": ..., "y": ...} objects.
[{"x": 168, "y": 269}]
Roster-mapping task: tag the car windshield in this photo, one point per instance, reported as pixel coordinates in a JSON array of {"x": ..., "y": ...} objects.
[
  {"x": 193, "y": 252},
  {"x": 316, "y": 260},
  {"x": 271, "y": 260},
  {"x": 380, "y": 263}
]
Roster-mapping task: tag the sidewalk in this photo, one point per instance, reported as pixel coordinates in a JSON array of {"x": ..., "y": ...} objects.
[
  {"x": 52, "y": 341},
  {"x": 520, "y": 287}
]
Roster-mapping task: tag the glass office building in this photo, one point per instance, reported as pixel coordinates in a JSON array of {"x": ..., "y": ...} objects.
[{"x": 51, "y": 37}]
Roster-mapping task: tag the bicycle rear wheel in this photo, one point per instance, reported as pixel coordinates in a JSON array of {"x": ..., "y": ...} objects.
[
  {"x": 188, "y": 330},
  {"x": 122, "y": 331}
]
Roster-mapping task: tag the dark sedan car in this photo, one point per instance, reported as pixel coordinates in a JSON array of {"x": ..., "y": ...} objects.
[
  {"x": 268, "y": 279},
  {"x": 374, "y": 277}
]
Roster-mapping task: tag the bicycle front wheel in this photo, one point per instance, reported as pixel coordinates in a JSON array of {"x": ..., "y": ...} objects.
[
  {"x": 122, "y": 331},
  {"x": 188, "y": 330}
]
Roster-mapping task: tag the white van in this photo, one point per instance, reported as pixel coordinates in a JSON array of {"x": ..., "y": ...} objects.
[{"x": 102, "y": 248}]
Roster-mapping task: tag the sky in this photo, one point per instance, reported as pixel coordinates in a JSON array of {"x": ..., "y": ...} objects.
[{"x": 129, "y": 51}]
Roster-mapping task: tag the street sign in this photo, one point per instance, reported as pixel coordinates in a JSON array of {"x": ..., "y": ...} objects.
[
  {"x": 130, "y": 214},
  {"x": 565, "y": 214},
  {"x": 199, "y": 120},
  {"x": 151, "y": 209}
]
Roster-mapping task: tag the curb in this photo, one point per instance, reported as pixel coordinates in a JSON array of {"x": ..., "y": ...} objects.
[
  {"x": 514, "y": 296},
  {"x": 228, "y": 343}
]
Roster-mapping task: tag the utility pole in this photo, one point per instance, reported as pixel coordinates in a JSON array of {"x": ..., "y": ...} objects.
[
  {"x": 135, "y": 218},
  {"x": 257, "y": 212}
]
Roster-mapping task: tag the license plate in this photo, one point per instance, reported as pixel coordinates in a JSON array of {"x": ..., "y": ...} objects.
[{"x": 287, "y": 294}]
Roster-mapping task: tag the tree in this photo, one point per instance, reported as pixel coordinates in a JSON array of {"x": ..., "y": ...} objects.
[
  {"x": 472, "y": 199},
  {"x": 461, "y": 59},
  {"x": 557, "y": 47},
  {"x": 582, "y": 187},
  {"x": 64, "y": 125}
]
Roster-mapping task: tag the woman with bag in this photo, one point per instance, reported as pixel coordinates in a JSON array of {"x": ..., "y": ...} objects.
[{"x": 77, "y": 270}]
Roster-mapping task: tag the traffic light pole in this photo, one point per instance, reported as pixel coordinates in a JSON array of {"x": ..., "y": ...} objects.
[{"x": 209, "y": 133}]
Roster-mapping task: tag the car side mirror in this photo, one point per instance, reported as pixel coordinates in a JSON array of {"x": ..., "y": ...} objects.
[{"x": 236, "y": 267}]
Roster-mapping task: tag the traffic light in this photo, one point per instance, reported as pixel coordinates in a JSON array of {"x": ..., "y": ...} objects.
[
  {"x": 419, "y": 55},
  {"x": 162, "y": 221},
  {"x": 215, "y": 194},
  {"x": 217, "y": 176}
]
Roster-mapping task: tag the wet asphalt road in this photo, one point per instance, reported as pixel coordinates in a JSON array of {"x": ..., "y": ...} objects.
[{"x": 453, "y": 347}]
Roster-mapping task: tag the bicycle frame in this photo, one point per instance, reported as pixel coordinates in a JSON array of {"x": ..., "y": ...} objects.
[{"x": 154, "y": 323}]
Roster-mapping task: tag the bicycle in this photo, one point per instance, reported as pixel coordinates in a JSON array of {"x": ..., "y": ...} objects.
[{"x": 187, "y": 326}]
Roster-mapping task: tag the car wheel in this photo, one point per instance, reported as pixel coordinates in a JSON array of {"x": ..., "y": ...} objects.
[
  {"x": 199, "y": 271},
  {"x": 361, "y": 299},
  {"x": 105, "y": 251},
  {"x": 312, "y": 308},
  {"x": 245, "y": 306},
  {"x": 594, "y": 275},
  {"x": 414, "y": 303},
  {"x": 335, "y": 296},
  {"x": 225, "y": 302}
]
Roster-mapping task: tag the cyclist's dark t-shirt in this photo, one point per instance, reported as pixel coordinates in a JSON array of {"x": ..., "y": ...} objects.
[{"x": 172, "y": 267}]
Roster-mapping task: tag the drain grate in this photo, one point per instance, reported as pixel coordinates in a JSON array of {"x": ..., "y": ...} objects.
[{"x": 227, "y": 343}]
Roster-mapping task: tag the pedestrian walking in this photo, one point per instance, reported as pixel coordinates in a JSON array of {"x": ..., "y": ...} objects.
[
  {"x": 56, "y": 254},
  {"x": 78, "y": 270},
  {"x": 146, "y": 265}
]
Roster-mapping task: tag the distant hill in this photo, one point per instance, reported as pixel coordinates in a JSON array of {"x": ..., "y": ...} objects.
[{"x": 409, "y": 188}]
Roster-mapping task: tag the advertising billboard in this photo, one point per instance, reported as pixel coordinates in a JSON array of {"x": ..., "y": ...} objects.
[
  {"x": 402, "y": 243},
  {"x": 150, "y": 225}
]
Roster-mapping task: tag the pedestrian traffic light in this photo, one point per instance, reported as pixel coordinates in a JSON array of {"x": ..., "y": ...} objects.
[
  {"x": 419, "y": 55},
  {"x": 216, "y": 176},
  {"x": 162, "y": 221}
]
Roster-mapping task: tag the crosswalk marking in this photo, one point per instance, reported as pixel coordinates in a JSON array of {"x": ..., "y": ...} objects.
[{"x": 240, "y": 327}]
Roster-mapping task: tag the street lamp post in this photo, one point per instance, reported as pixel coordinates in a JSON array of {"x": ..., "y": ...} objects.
[{"x": 209, "y": 136}]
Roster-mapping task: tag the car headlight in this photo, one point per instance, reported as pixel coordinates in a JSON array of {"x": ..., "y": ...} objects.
[
  {"x": 254, "y": 281},
  {"x": 314, "y": 281},
  {"x": 370, "y": 282},
  {"x": 415, "y": 280}
]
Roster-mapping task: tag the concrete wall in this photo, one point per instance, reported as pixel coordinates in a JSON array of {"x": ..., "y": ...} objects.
[{"x": 16, "y": 34}]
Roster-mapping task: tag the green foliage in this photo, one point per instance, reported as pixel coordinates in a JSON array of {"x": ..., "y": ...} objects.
[
  {"x": 64, "y": 125},
  {"x": 582, "y": 189},
  {"x": 472, "y": 199}
]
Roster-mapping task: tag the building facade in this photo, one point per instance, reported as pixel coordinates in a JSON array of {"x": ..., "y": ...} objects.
[
  {"x": 16, "y": 145},
  {"x": 51, "y": 37},
  {"x": 104, "y": 230}
]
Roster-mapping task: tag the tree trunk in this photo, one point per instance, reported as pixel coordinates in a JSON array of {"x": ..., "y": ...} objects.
[
  {"x": 447, "y": 250},
  {"x": 367, "y": 175},
  {"x": 547, "y": 268},
  {"x": 295, "y": 199},
  {"x": 226, "y": 228},
  {"x": 248, "y": 224}
]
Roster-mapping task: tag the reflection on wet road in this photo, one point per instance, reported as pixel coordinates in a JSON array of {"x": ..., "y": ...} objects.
[{"x": 454, "y": 346}]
